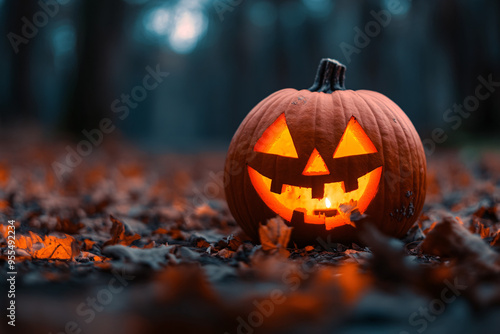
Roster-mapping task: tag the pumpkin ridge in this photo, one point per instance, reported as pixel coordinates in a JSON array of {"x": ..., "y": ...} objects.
[
  {"x": 416, "y": 180},
  {"x": 386, "y": 111},
  {"x": 314, "y": 131},
  {"x": 416, "y": 177},
  {"x": 271, "y": 100},
  {"x": 346, "y": 118},
  {"x": 384, "y": 144},
  {"x": 246, "y": 180},
  {"x": 415, "y": 159},
  {"x": 422, "y": 163},
  {"x": 256, "y": 110}
]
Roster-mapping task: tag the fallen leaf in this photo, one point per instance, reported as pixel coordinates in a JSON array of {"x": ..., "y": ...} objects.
[
  {"x": 119, "y": 235},
  {"x": 67, "y": 226},
  {"x": 451, "y": 239},
  {"x": 49, "y": 247},
  {"x": 275, "y": 235}
]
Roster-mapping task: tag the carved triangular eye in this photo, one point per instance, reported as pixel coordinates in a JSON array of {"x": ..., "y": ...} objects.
[
  {"x": 354, "y": 141},
  {"x": 277, "y": 140}
]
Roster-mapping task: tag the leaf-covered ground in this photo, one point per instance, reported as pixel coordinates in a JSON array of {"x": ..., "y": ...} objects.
[{"x": 134, "y": 243}]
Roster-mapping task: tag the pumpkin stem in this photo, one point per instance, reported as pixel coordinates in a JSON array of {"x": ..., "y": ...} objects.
[{"x": 330, "y": 76}]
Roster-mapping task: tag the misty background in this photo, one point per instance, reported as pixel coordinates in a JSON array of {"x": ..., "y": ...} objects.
[{"x": 224, "y": 56}]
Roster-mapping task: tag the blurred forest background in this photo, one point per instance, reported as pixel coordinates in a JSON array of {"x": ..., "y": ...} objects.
[{"x": 224, "y": 56}]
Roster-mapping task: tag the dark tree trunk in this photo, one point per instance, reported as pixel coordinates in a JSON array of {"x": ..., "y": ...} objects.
[
  {"x": 21, "y": 106},
  {"x": 98, "y": 46}
]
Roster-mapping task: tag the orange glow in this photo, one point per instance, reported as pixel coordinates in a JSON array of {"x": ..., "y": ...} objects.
[
  {"x": 352, "y": 281},
  {"x": 300, "y": 199},
  {"x": 315, "y": 165},
  {"x": 277, "y": 140},
  {"x": 50, "y": 247},
  {"x": 354, "y": 141}
]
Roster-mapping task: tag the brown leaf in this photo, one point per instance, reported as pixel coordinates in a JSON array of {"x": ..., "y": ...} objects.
[
  {"x": 226, "y": 253},
  {"x": 88, "y": 244},
  {"x": 91, "y": 256},
  {"x": 309, "y": 248},
  {"x": 174, "y": 233},
  {"x": 160, "y": 230},
  {"x": 202, "y": 243},
  {"x": 496, "y": 241},
  {"x": 151, "y": 244},
  {"x": 451, "y": 239},
  {"x": 119, "y": 235},
  {"x": 275, "y": 235},
  {"x": 205, "y": 210},
  {"x": 67, "y": 226}
]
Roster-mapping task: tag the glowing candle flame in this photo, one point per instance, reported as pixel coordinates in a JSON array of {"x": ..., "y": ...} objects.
[{"x": 327, "y": 202}]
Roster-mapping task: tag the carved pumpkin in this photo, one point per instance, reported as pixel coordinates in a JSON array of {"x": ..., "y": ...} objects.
[{"x": 326, "y": 160}]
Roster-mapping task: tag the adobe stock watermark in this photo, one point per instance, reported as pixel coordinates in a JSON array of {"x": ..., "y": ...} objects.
[
  {"x": 211, "y": 190},
  {"x": 219, "y": 180},
  {"x": 121, "y": 107},
  {"x": 436, "y": 307},
  {"x": 223, "y": 6},
  {"x": 372, "y": 29},
  {"x": 30, "y": 26},
  {"x": 88, "y": 310},
  {"x": 455, "y": 115}
]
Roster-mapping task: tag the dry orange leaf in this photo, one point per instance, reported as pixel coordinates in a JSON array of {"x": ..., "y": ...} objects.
[
  {"x": 50, "y": 247},
  {"x": 88, "y": 244},
  {"x": 275, "y": 235}
]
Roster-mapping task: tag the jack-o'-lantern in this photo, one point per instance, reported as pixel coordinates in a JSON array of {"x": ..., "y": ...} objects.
[{"x": 326, "y": 160}]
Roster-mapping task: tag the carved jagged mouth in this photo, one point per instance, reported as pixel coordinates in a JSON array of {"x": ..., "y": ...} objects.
[{"x": 333, "y": 209}]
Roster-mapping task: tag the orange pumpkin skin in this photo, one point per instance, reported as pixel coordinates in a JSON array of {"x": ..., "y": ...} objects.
[{"x": 354, "y": 150}]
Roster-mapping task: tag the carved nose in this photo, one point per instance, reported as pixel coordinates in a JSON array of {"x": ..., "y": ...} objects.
[{"x": 315, "y": 165}]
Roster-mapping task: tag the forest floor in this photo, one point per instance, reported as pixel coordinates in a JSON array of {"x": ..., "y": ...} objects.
[{"x": 129, "y": 242}]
